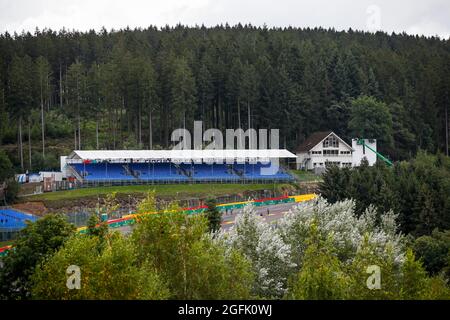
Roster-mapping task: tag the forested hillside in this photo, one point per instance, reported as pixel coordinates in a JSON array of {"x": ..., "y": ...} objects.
[{"x": 131, "y": 88}]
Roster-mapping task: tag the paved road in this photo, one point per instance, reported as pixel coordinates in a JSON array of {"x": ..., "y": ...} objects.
[{"x": 269, "y": 213}]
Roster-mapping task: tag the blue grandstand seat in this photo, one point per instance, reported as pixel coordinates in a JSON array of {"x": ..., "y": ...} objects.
[
  {"x": 174, "y": 172},
  {"x": 158, "y": 172},
  {"x": 254, "y": 171},
  {"x": 103, "y": 171},
  {"x": 205, "y": 172}
]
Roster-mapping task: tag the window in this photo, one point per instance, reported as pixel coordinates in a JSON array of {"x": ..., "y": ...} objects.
[
  {"x": 331, "y": 141},
  {"x": 331, "y": 153},
  {"x": 345, "y": 152},
  {"x": 346, "y": 164},
  {"x": 316, "y": 152}
]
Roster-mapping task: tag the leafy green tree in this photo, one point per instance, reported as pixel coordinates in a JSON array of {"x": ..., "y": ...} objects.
[
  {"x": 187, "y": 260},
  {"x": 334, "y": 186},
  {"x": 205, "y": 91},
  {"x": 213, "y": 215},
  {"x": 215, "y": 272},
  {"x": 134, "y": 80},
  {"x": 112, "y": 272},
  {"x": 388, "y": 263},
  {"x": 417, "y": 190},
  {"x": 76, "y": 96},
  {"x": 43, "y": 72},
  {"x": 35, "y": 242},
  {"x": 6, "y": 167},
  {"x": 97, "y": 228},
  {"x": 148, "y": 204},
  {"x": 20, "y": 95},
  {"x": 403, "y": 136},
  {"x": 413, "y": 278},
  {"x": 321, "y": 276},
  {"x": 183, "y": 94},
  {"x": 3, "y": 114},
  {"x": 434, "y": 250},
  {"x": 371, "y": 119},
  {"x": 11, "y": 191}
]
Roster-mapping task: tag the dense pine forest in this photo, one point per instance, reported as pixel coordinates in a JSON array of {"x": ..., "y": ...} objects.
[{"x": 131, "y": 88}]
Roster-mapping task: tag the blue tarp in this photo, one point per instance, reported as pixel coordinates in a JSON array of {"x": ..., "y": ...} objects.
[{"x": 10, "y": 218}]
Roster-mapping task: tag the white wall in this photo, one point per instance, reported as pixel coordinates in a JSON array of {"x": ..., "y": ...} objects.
[
  {"x": 300, "y": 157},
  {"x": 63, "y": 166},
  {"x": 57, "y": 176},
  {"x": 360, "y": 152},
  {"x": 321, "y": 158}
]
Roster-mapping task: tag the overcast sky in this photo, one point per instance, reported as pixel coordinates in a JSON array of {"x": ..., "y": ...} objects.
[{"x": 431, "y": 17}]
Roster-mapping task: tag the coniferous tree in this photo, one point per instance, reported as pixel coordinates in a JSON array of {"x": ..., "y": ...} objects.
[
  {"x": 213, "y": 214},
  {"x": 44, "y": 79}
]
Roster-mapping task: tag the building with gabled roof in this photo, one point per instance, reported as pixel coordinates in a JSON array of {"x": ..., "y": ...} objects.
[{"x": 325, "y": 147}]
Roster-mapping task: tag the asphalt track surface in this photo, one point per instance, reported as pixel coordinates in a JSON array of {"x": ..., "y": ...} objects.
[{"x": 269, "y": 213}]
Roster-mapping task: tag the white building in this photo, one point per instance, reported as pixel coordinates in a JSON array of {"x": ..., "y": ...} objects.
[{"x": 323, "y": 148}]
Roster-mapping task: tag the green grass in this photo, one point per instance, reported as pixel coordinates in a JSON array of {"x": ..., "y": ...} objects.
[
  {"x": 6, "y": 243},
  {"x": 161, "y": 190},
  {"x": 306, "y": 175}
]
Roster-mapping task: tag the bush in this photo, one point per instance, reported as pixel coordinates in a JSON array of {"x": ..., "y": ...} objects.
[
  {"x": 6, "y": 167},
  {"x": 192, "y": 265},
  {"x": 12, "y": 190},
  {"x": 434, "y": 250},
  {"x": 108, "y": 271},
  {"x": 35, "y": 243},
  {"x": 50, "y": 162}
]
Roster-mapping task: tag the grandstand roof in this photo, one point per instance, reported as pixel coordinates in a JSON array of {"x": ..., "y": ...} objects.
[{"x": 180, "y": 154}]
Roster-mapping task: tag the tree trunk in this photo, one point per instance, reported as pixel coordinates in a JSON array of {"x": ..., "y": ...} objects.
[
  {"x": 60, "y": 88},
  {"x": 166, "y": 127},
  {"x": 239, "y": 113},
  {"x": 115, "y": 127},
  {"x": 121, "y": 121},
  {"x": 446, "y": 131},
  {"x": 150, "y": 129},
  {"x": 79, "y": 130},
  {"x": 48, "y": 97},
  {"x": 78, "y": 115},
  {"x": 249, "y": 124},
  {"x": 96, "y": 131},
  {"x": 75, "y": 131},
  {"x": 29, "y": 141},
  {"x": 20, "y": 142},
  {"x": 42, "y": 123},
  {"x": 140, "y": 126}
]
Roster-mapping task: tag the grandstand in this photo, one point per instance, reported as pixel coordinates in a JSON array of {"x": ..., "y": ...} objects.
[{"x": 117, "y": 167}]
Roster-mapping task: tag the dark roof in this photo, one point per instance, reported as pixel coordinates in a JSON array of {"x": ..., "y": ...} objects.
[{"x": 312, "y": 141}]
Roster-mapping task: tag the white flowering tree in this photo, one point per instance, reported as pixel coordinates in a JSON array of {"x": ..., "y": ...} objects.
[
  {"x": 321, "y": 251},
  {"x": 347, "y": 230},
  {"x": 264, "y": 247}
]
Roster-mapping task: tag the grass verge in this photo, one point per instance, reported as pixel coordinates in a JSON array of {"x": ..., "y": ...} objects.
[{"x": 197, "y": 190}]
